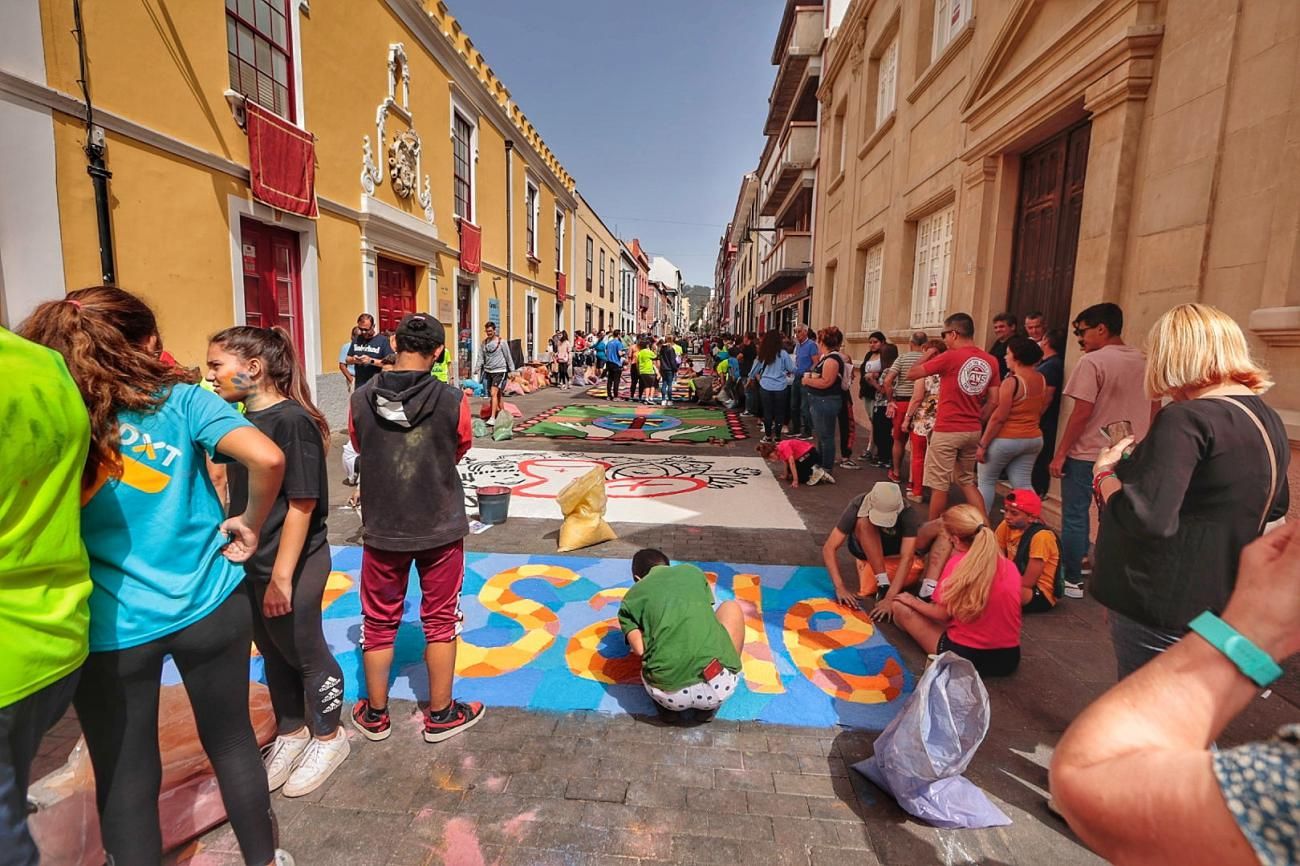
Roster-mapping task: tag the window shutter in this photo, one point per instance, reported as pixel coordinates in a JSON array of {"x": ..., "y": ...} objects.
[
  {"x": 888, "y": 82},
  {"x": 871, "y": 287}
]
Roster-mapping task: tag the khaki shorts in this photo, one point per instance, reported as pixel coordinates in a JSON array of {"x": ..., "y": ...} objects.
[{"x": 951, "y": 458}]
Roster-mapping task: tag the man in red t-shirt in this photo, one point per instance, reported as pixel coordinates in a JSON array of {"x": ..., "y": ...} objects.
[{"x": 967, "y": 377}]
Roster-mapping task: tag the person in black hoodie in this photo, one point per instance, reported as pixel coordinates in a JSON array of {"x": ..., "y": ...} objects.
[{"x": 412, "y": 430}]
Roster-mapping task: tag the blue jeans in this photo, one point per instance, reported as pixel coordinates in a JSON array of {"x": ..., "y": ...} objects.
[
  {"x": 825, "y": 413},
  {"x": 667, "y": 385},
  {"x": 22, "y": 725},
  {"x": 1076, "y": 502},
  {"x": 1017, "y": 456}
]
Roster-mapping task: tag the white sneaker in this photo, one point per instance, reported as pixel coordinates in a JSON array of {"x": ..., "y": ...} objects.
[
  {"x": 281, "y": 757},
  {"x": 283, "y": 858},
  {"x": 827, "y": 477},
  {"x": 1073, "y": 590},
  {"x": 928, "y": 587},
  {"x": 491, "y": 422},
  {"x": 321, "y": 759},
  {"x": 817, "y": 476}
]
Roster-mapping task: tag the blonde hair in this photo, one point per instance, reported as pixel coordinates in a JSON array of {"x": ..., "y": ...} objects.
[
  {"x": 966, "y": 590},
  {"x": 1197, "y": 346}
]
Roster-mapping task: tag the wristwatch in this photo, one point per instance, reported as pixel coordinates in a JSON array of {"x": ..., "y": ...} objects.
[{"x": 1249, "y": 658}]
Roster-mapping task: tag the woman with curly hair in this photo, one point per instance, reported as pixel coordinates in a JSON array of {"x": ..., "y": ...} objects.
[{"x": 164, "y": 565}]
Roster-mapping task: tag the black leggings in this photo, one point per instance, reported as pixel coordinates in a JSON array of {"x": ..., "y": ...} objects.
[
  {"x": 117, "y": 706},
  {"x": 305, "y": 680},
  {"x": 561, "y": 373},
  {"x": 848, "y": 425},
  {"x": 775, "y": 405},
  {"x": 882, "y": 435}
]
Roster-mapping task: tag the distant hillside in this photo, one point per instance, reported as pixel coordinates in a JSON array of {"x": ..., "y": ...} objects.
[{"x": 699, "y": 296}]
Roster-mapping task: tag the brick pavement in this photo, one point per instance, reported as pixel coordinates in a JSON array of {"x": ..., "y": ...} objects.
[{"x": 537, "y": 788}]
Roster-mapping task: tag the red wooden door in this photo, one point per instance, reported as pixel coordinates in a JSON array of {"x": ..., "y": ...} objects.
[
  {"x": 272, "y": 282},
  {"x": 1047, "y": 226},
  {"x": 396, "y": 292}
]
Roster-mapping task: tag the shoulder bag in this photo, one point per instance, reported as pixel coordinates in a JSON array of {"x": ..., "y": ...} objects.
[{"x": 1272, "y": 461}]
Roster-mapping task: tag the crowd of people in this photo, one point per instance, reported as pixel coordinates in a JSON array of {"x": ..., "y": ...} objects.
[{"x": 163, "y": 513}]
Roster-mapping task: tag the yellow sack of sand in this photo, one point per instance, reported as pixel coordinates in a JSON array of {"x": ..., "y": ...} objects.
[{"x": 582, "y": 501}]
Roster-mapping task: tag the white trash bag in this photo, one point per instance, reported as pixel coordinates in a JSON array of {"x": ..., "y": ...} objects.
[{"x": 921, "y": 754}]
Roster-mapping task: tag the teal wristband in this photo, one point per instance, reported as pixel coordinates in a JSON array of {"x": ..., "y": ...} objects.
[{"x": 1249, "y": 659}]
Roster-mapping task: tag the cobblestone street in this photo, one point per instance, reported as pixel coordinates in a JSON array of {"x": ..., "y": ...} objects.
[{"x": 586, "y": 788}]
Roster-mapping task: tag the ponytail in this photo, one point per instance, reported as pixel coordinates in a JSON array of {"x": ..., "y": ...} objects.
[
  {"x": 966, "y": 590},
  {"x": 274, "y": 347}
]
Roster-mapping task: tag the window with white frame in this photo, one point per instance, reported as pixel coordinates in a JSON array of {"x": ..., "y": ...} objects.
[
  {"x": 950, "y": 16},
  {"x": 602, "y": 275},
  {"x": 590, "y": 249},
  {"x": 841, "y": 139},
  {"x": 887, "y": 82},
  {"x": 872, "y": 267},
  {"x": 259, "y": 52},
  {"x": 933, "y": 268},
  {"x": 463, "y": 165},
  {"x": 559, "y": 240},
  {"x": 530, "y": 219}
]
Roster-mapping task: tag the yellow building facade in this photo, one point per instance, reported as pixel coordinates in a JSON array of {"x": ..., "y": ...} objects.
[
  {"x": 416, "y": 143},
  {"x": 595, "y": 273}
]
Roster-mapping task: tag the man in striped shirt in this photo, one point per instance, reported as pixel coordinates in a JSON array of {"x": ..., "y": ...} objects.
[{"x": 900, "y": 389}]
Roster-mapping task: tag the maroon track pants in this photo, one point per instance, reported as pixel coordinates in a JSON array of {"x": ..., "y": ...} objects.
[{"x": 384, "y": 577}]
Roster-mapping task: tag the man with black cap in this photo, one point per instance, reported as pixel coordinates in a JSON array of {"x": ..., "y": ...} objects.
[{"x": 411, "y": 430}]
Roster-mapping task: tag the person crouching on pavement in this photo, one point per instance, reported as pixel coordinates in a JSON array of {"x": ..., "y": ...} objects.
[
  {"x": 801, "y": 460},
  {"x": 690, "y": 653},
  {"x": 411, "y": 430}
]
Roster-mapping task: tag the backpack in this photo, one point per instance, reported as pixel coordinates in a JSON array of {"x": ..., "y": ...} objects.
[
  {"x": 668, "y": 357},
  {"x": 1022, "y": 556}
]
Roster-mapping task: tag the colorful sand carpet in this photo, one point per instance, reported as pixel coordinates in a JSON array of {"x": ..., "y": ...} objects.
[
  {"x": 618, "y": 424},
  {"x": 640, "y": 488},
  {"x": 541, "y": 633}
]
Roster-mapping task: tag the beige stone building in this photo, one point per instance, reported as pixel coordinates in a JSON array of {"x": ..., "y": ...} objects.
[
  {"x": 595, "y": 273},
  {"x": 988, "y": 155}
]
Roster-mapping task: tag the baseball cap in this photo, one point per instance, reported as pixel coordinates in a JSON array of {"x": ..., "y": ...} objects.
[
  {"x": 883, "y": 504},
  {"x": 424, "y": 326},
  {"x": 1025, "y": 500}
]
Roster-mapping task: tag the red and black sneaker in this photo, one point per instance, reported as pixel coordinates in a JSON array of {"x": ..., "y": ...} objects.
[
  {"x": 460, "y": 717},
  {"x": 372, "y": 725}
]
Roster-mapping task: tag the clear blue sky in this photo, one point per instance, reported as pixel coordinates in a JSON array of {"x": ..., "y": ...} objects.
[{"x": 655, "y": 106}]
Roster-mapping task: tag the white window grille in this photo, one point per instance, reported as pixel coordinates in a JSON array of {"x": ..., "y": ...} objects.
[
  {"x": 933, "y": 268},
  {"x": 871, "y": 273}
]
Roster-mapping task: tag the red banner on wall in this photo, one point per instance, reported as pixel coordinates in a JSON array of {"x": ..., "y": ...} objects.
[
  {"x": 281, "y": 162},
  {"x": 561, "y": 286},
  {"x": 471, "y": 247}
]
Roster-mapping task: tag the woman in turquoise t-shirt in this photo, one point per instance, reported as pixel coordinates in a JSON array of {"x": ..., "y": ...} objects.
[{"x": 164, "y": 566}]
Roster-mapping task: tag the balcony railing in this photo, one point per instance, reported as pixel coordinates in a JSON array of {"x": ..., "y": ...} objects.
[
  {"x": 793, "y": 160},
  {"x": 804, "y": 43},
  {"x": 789, "y": 261}
]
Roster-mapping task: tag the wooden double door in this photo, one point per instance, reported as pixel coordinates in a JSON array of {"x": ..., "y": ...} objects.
[
  {"x": 397, "y": 295},
  {"x": 1047, "y": 226}
]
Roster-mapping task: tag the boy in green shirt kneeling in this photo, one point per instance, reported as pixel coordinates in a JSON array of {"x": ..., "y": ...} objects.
[{"x": 690, "y": 653}]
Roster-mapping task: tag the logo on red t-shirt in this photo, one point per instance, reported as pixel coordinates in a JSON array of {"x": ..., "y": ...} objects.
[{"x": 974, "y": 376}]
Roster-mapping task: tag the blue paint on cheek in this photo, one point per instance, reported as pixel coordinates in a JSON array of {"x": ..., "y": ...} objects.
[{"x": 241, "y": 381}]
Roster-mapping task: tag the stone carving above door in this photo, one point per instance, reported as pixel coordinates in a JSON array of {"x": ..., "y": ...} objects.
[{"x": 404, "y": 152}]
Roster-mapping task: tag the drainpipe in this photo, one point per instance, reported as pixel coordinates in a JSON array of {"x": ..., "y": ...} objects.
[
  {"x": 510, "y": 240},
  {"x": 94, "y": 150}
]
